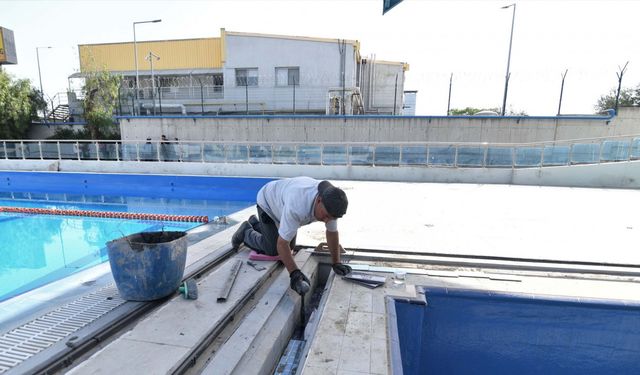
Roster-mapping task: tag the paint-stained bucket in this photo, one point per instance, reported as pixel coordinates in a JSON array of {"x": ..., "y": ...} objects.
[{"x": 149, "y": 265}]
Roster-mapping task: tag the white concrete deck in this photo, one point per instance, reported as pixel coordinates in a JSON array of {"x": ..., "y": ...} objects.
[{"x": 577, "y": 224}]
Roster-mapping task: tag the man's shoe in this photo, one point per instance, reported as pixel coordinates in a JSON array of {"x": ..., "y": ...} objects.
[
  {"x": 238, "y": 237},
  {"x": 253, "y": 220}
]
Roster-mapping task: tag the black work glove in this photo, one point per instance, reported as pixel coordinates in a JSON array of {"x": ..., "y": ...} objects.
[
  {"x": 341, "y": 269},
  {"x": 299, "y": 282}
]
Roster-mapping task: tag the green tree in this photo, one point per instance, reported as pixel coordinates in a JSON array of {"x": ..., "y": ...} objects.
[
  {"x": 628, "y": 97},
  {"x": 100, "y": 99},
  {"x": 470, "y": 111},
  {"x": 19, "y": 105},
  {"x": 68, "y": 133}
]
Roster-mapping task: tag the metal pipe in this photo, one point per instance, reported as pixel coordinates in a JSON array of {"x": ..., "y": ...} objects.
[{"x": 226, "y": 289}]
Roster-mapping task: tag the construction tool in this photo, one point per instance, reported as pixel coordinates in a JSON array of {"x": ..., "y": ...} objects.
[
  {"x": 189, "y": 289},
  {"x": 230, "y": 280},
  {"x": 302, "y": 317},
  {"x": 256, "y": 266}
]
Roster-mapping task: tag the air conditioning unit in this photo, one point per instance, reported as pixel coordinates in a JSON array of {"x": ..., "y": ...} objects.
[{"x": 344, "y": 101}]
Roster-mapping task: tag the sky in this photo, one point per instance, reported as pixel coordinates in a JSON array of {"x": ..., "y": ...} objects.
[{"x": 469, "y": 39}]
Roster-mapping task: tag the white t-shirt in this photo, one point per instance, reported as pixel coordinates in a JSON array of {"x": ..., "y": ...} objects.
[{"x": 290, "y": 203}]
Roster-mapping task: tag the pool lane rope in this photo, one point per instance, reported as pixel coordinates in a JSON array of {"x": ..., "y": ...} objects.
[{"x": 106, "y": 214}]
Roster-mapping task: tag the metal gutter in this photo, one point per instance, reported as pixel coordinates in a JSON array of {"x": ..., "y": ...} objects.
[{"x": 457, "y": 260}]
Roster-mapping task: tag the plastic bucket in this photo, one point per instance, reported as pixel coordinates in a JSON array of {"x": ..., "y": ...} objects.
[{"x": 148, "y": 265}]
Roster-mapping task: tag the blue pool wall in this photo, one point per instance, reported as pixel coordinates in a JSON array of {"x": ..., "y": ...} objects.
[
  {"x": 241, "y": 191},
  {"x": 480, "y": 332},
  {"x": 156, "y": 186}
]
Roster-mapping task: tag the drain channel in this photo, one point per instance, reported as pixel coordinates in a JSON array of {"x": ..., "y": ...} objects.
[{"x": 24, "y": 342}]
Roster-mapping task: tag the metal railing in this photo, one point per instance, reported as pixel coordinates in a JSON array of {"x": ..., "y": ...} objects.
[
  {"x": 176, "y": 93},
  {"x": 378, "y": 154}
]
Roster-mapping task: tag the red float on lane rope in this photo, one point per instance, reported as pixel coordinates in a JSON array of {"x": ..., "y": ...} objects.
[{"x": 115, "y": 215}]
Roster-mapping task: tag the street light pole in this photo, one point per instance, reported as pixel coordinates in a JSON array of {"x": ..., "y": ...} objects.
[
  {"x": 135, "y": 54},
  {"x": 506, "y": 79},
  {"x": 150, "y": 57},
  {"x": 44, "y": 113}
]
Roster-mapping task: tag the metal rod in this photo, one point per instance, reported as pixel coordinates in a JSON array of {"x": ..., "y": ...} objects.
[
  {"x": 233, "y": 273},
  {"x": 562, "y": 90},
  {"x": 449, "y": 100},
  {"x": 506, "y": 79}
]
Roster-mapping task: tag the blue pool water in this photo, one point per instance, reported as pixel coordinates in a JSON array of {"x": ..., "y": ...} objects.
[
  {"x": 38, "y": 249},
  {"x": 471, "y": 332}
]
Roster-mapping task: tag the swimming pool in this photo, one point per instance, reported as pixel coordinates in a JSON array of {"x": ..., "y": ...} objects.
[
  {"x": 38, "y": 249},
  {"x": 457, "y": 331}
]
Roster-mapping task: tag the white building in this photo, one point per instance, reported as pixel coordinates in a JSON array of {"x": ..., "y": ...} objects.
[{"x": 248, "y": 73}]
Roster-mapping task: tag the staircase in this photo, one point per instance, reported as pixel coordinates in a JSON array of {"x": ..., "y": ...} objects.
[
  {"x": 60, "y": 108},
  {"x": 59, "y": 114}
]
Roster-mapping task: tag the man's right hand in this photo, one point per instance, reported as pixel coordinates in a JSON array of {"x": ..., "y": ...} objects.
[{"x": 299, "y": 282}]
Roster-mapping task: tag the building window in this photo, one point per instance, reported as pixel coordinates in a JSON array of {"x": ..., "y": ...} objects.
[
  {"x": 247, "y": 77},
  {"x": 288, "y": 76}
]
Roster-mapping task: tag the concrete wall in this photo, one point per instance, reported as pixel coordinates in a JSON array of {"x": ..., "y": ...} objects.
[
  {"x": 610, "y": 175},
  {"x": 319, "y": 63},
  {"x": 381, "y": 128}
]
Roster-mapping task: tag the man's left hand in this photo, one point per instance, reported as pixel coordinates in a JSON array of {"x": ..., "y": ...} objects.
[{"x": 341, "y": 269}]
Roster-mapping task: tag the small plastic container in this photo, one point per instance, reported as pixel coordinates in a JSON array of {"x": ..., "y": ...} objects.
[{"x": 399, "y": 276}]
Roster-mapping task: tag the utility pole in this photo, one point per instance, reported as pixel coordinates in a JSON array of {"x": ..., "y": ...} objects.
[
  {"x": 150, "y": 58},
  {"x": 508, "y": 75},
  {"x": 561, "y": 90},
  {"x": 449, "y": 100},
  {"x": 135, "y": 55}
]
